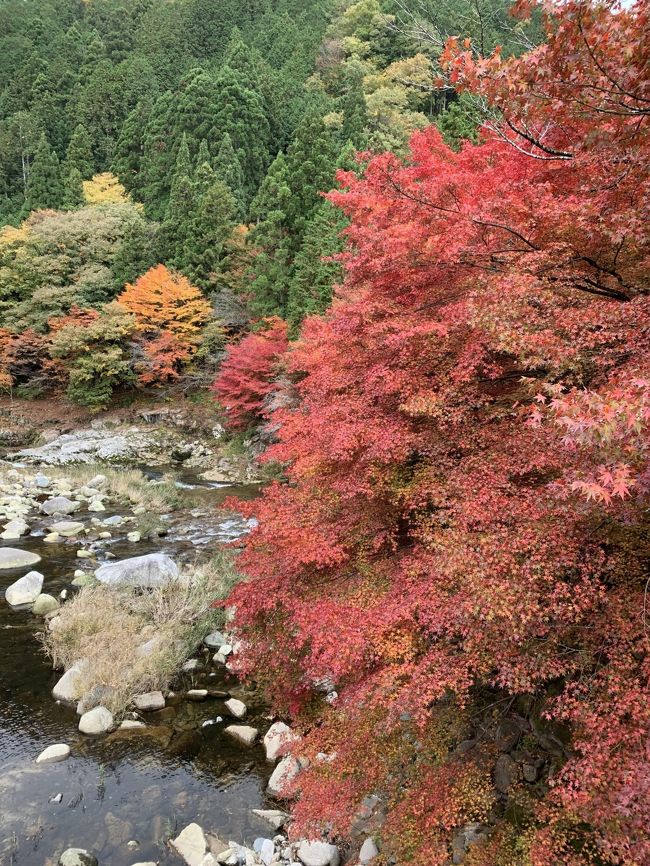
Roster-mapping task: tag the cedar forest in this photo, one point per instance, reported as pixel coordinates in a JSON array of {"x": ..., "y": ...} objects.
[{"x": 412, "y": 238}]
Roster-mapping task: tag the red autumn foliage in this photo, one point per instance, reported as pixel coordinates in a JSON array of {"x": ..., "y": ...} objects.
[
  {"x": 466, "y": 513},
  {"x": 247, "y": 373}
]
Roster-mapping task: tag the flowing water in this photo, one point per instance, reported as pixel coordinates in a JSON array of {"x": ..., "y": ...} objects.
[{"x": 126, "y": 787}]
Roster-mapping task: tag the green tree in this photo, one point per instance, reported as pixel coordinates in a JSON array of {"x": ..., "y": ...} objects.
[
  {"x": 45, "y": 184},
  {"x": 180, "y": 208},
  {"x": 73, "y": 190},
  {"x": 270, "y": 240},
  {"x": 158, "y": 156},
  {"x": 206, "y": 248},
  {"x": 227, "y": 168},
  {"x": 129, "y": 149},
  {"x": 80, "y": 152},
  {"x": 240, "y": 113},
  {"x": 315, "y": 271}
]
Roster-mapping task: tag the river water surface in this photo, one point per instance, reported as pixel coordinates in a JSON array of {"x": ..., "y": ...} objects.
[{"x": 128, "y": 787}]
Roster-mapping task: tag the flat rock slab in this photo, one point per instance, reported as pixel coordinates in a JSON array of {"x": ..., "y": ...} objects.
[
  {"x": 149, "y": 701},
  {"x": 54, "y": 754},
  {"x": 67, "y": 528},
  {"x": 26, "y": 590},
  {"x": 275, "y": 817},
  {"x": 244, "y": 734},
  {"x": 154, "y": 569},
  {"x": 11, "y": 557}
]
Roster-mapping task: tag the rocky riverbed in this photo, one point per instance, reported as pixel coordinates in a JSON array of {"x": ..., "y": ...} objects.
[{"x": 193, "y": 773}]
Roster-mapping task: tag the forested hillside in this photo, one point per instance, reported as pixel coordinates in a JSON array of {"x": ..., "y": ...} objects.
[
  {"x": 407, "y": 244},
  {"x": 200, "y": 136}
]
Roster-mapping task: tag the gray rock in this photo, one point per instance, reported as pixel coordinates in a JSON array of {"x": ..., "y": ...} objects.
[
  {"x": 236, "y": 708},
  {"x": 244, "y": 734},
  {"x": 274, "y": 817},
  {"x": 70, "y": 686},
  {"x": 96, "y": 697},
  {"x": 276, "y": 739},
  {"x": 214, "y": 640},
  {"x": 77, "y": 857},
  {"x": 54, "y": 754},
  {"x": 131, "y": 724},
  {"x": 196, "y": 694},
  {"x": 26, "y": 590},
  {"x": 42, "y": 481},
  {"x": 265, "y": 849},
  {"x": 115, "y": 520},
  {"x": 96, "y": 721},
  {"x": 11, "y": 557},
  {"x": 60, "y": 505},
  {"x": 283, "y": 777},
  {"x": 318, "y": 853},
  {"x": 505, "y": 773},
  {"x": 530, "y": 772},
  {"x": 154, "y": 569},
  {"x": 149, "y": 701},
  {"x": 45, "y": 604},
  {"x": 368, "y": 851},
  {"x": 67, "y": 528}
]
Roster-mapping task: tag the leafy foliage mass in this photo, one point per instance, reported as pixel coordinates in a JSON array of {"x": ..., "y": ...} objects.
[{"x": 465, "y": 523}]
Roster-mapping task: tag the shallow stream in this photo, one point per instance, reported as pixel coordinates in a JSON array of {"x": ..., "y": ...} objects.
[{"x": 128, "y": 786}]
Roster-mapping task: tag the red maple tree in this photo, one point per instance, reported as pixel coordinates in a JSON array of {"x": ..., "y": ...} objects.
[
  {"x": 465, "y": 523},
  {"x": 247, "y": 373}
]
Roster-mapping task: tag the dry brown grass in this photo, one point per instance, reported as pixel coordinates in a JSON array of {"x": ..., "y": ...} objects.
[
  {"x": 107, "y": 626},
  {"x": 125, "y": 485}
]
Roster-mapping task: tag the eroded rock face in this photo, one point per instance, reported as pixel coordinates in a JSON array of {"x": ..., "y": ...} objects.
[
  {"x": 90, "y": 446},
  {"x": 26, "y": 590},
  {"x": 154, "y": 569},
  {"x": 12, "y": 557}
]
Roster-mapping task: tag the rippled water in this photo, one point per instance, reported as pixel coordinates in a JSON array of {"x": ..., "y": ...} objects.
[{"x": 127, "y": 786}]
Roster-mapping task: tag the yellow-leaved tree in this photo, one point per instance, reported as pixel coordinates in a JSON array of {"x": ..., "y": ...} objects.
[{"x": 170, "y": 312}]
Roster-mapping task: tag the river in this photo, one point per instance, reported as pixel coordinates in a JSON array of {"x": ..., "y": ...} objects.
[{"x": 124, "y": 795}]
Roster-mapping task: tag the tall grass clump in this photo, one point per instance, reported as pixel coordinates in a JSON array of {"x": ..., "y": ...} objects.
[{"x": 135, "y": 640}]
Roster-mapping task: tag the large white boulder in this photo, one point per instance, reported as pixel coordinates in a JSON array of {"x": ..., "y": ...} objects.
[
  {"x": 70, "y": 686},
  {"x": 26, "y": 590},
  {"x": 11, "y": 557},
  {"x": 96, "y": 721},
  {"x": 192, "y": 845},
  {"x": 154, "y": 569},
  {"x": 283, "y": 777},
  {"x": 60, "y": 505},
  {"x": 14, "y": 529},
  {"x": 318, "y": 854},
  {"x": 276, "y": 740},
  {"x": 54, "y": 754}
]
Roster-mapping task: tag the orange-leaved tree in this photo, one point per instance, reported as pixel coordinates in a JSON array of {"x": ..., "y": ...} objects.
[{"x": 169, "y": 311}]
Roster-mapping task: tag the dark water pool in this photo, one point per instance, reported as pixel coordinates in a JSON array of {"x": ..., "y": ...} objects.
[{"x": 127, "y": 787}]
